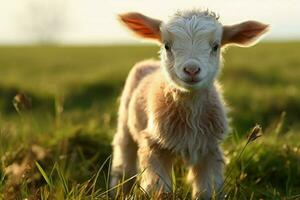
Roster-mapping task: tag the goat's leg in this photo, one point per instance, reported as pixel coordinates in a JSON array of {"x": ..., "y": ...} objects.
[
  {"x": 155, "y": 167},
  {"x": 207, "y": 175},
  {"x": 124, "y": 163}
]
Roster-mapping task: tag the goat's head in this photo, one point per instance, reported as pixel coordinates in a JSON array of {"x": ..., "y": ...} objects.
[{"x": 191, "y": 43}]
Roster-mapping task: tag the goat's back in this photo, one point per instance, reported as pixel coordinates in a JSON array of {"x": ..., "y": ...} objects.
[{"x": 138, "y": 73}]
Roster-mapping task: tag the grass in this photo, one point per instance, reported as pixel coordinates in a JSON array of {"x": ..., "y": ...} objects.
[{"x": 55, "y": 139}]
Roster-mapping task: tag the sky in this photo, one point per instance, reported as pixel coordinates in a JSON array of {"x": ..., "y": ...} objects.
[{"x": 95, "y": 21}]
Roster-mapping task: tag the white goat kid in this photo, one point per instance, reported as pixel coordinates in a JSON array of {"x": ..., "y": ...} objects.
[{"x": 174, "y": 107}]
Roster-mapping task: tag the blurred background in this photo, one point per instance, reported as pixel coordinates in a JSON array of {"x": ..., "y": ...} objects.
[
  {"x": 63, "y": 64},
  {"x": 94, "y": 22}
]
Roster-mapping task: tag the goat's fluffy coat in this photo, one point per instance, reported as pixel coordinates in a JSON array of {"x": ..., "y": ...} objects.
[
  {"x": 160, "y": 117},
  {"x": 162, "y": 121}
]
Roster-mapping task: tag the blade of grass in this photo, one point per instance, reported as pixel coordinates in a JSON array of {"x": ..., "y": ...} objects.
[
  {"x": 174, "y": 179},
  {"x": 120, "y": 184},
  {"x": 98, "y": 173},
  {"x": 63, "y": 180},
  {"x": 45, "y": 176}
]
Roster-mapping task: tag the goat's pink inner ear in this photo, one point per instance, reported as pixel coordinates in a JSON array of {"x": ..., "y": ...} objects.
[
  {"x": 142, "y": 25},
  {"x": 243, "y": 34}
]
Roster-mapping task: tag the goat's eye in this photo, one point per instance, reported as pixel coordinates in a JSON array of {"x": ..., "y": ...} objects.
[
  {"x": 167, "y": 47},
  {"x": 215, "y": 47}
]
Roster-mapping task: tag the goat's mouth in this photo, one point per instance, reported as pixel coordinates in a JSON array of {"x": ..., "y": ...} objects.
[
  {"x": 191, "y": 81},
  {"x": 188, "y": 82}
]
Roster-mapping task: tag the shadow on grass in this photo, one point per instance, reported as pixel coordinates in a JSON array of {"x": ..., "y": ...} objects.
[
  {"x": 87, "y": 95},
  {"x": 246, "y": 115},
  {"x": 7, "y": 95},
  {"x": 78, "y": 98}
]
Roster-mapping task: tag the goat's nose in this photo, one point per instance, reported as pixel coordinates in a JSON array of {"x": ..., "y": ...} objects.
[{"x": 192, "y": 70}]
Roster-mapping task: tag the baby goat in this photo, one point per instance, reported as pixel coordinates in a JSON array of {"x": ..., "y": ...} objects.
[{"x": 174, "y": 107}]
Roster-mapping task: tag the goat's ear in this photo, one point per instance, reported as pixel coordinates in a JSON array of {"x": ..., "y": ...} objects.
[
  {"x": 243, "y": 34},
  {"x": 142, "y": 25}
]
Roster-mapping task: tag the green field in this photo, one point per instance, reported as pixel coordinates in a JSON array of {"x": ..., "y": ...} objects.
[{"x": 55, "y": 143}]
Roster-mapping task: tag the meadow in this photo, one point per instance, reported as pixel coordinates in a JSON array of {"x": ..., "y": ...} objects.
[{"x": 58, "y": 115}]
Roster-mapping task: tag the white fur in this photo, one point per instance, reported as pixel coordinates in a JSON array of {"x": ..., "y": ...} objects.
[{"x": 191, "y": 38}]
